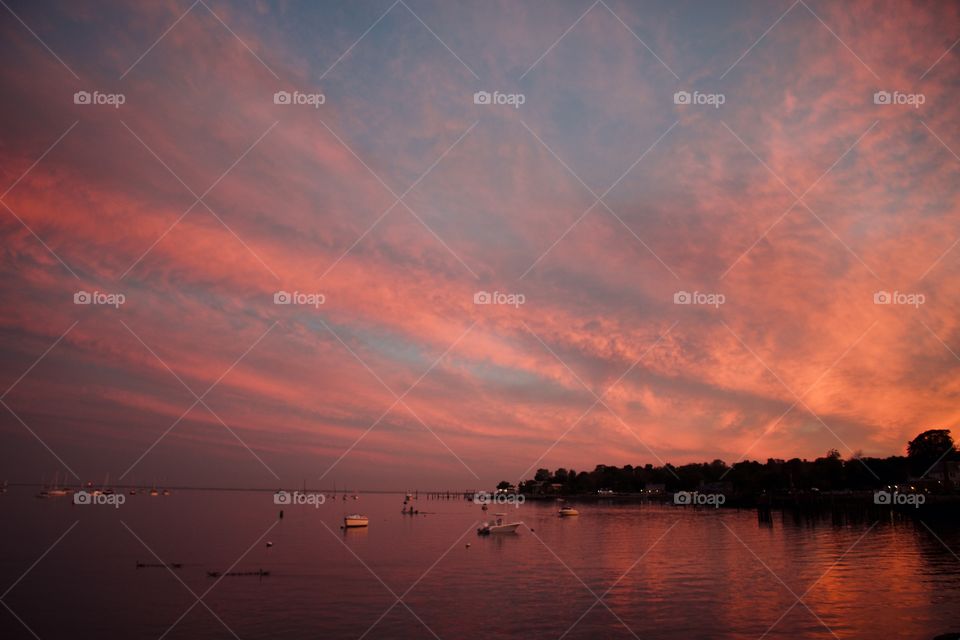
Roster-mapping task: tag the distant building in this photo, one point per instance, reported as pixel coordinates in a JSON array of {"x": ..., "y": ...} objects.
[
  {"x": 947, "y": 471},
  {"x": 541, "y": 487}
]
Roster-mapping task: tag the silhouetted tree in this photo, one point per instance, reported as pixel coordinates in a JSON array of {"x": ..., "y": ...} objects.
[
  {"x": 543, "y": 475},
  {"x": 927, "y": 448},
  {"x": 750, "y": 478}
]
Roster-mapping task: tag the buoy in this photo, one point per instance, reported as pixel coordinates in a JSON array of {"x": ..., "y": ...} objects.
[
  {"x": 269, "y": 544},
  {"x": 468, "y": 545}
]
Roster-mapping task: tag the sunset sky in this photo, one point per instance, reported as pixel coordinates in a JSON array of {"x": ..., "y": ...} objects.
[{"x": 597, "y": 199}]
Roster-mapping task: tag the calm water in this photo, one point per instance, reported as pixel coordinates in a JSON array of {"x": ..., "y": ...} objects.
[{"x": 664, "y": 572}]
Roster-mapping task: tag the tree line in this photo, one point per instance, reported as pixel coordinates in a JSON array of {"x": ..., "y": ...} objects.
[{"x": 927, "y": 457}]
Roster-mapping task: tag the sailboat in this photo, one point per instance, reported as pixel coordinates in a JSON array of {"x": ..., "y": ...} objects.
[
  {"x": 57, "y": 491},
  {"x": 43, "y": 494}
]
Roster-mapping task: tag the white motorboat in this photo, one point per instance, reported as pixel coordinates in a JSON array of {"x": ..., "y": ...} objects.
[
  {"x": 498, "y": 526},
  {"x": 355, "y": 520},
  {"x": 567, "y": 511}
]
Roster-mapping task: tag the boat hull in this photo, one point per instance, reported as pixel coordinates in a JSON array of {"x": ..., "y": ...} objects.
[
  {"x": 488, "y": 529},
  {"x": 505, "y": 528},
  {"x": 354, "y": 522}
]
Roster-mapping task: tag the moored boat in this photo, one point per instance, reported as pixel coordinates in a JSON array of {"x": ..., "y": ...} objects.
[
  {"x": 498, "y": 526},
  {"x": 355, "y": 520},
  {"x": 567, "y": 511}
]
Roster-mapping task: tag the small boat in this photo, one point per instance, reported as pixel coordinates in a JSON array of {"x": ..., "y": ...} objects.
[
  {"x": 498, "y": 526},
  {"x": 159, "y": 565},
  {"x": 154, "y": 492},
  {"x": 567, "y": 511},
  {"x": 220, "y": 574},
  {"x": 355, "y": 520},
  {"x": 55, "y": 490},
  {"x": 43, "y": 493},
  {"x": 104, "y": 490},
  {"x": 166, "y": 492}
]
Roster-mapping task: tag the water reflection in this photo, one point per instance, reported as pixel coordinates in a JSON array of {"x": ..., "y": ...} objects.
[{"x": 657, "y": 571}]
